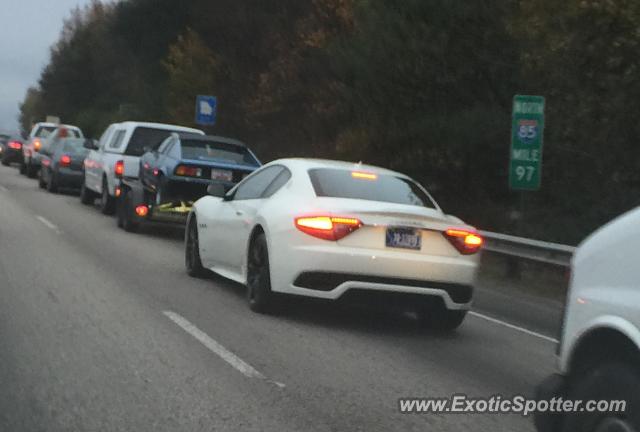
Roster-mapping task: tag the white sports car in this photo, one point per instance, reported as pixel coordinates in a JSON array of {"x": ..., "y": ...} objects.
[{"x": 336, "y": 230}]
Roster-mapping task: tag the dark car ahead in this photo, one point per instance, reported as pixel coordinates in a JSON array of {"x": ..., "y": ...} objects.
[
  {"x": 184, "y": 165},
  {"x": 62, "y": 164},
  {"x": 10, "y": 149}
]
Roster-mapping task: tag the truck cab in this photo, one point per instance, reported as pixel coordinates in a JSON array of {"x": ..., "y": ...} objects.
[{"x": 125, "y": 141}]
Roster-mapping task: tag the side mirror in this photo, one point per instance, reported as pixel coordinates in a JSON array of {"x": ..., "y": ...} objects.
[
  {"x": 216, "y": 190},
  {"x": 90, "y": 144}
]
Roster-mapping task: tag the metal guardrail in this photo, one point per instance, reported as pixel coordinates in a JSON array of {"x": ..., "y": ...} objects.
[{"x": 534, "y": 250}]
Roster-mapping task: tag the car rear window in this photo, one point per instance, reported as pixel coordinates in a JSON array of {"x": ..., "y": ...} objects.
[
  {"x": 341, "y": 183},
  {"x": 45, "y": 131},
  {"x": 146, "y": 137},
  {"x": 74, "y": 146},
  {"x": 217, "y": 151}
]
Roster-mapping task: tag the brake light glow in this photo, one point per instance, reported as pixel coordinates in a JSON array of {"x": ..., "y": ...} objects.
[
  {"x": 16, "y": 145},
  {"x": 364, "y": 175},
  {"x": 467, "y": 242},
  {"x": 327, "y": 227},
  {"x": 118, "y": 169},
  {"x": 37, "y": 145},
  {"x": 118, "y": 191},
  {"x": 65, "y": 160},
  {"x": 142, "y": 210},
  {"x": 188, "y": 171}
]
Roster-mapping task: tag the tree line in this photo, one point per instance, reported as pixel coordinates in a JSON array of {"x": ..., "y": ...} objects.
[{"x": 421, "y": 86}]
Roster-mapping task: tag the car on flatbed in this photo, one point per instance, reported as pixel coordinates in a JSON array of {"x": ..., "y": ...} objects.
[
  {"x": 599, "y": 348},
  {"x": 336, "y": 231},
  {"x": 38, "y": 136},
  {"x": 177, "y": 173},
  {"x": 126, "y": 142}
]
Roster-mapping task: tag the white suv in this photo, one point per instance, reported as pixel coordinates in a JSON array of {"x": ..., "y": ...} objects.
[
  {"x": 120, "y": 142},
  {"x": 599, "y": 350}
]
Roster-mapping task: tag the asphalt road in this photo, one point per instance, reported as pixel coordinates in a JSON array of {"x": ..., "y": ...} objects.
[{"x": 101, "y": 330}]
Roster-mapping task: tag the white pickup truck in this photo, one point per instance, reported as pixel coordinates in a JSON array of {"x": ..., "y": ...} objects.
[
  {"x": 39, "y": 133},
  {"x": 126, "y": 142},
  {"x": 599, "y": 349}
]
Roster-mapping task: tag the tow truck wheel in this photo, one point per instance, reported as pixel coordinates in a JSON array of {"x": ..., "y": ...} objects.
[
  {"x": 192, "y": 252},
  {"x": 125, "y": 216},
  {"x": 616, "y": 381},
  {"x": 434, "y": 315},
  {"x": 86, "y": 196}
]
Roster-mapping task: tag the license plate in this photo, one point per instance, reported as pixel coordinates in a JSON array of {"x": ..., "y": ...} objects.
[
  {"x": 218, "y": 174},
  {"x": 404, "y": 238}
]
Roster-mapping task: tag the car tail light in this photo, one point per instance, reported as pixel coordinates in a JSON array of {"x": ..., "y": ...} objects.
[
  {"x": 188, "y": 171},
  {"x": 37, "y": 145},
  {"x": 46, "y": 162},
  {"x": 65, "y": 160},
  {"x": 467, "y": 242},
  {"x": 118, "y": 169},
  {"x": 364, "y": 175},
  {"x": 142, "y": 210},
  {"x": 327, "y": 227},
  {"x": 118, "y": 191},
  {"x": 16, "y": 145}
]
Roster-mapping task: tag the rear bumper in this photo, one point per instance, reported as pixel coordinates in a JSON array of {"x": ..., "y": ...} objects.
[
  {"x": 11, "y": 155},
  {"x": 331, "y": 272},
  {"x": 69, "y": 178},
  {"x": 552, "y": 387},
  {"x": 185, "y": 189}
]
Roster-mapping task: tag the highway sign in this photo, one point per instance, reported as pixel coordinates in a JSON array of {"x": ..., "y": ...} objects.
[
  {"x": 206, "y": 110},
  {"x": 527, "y": 132}
]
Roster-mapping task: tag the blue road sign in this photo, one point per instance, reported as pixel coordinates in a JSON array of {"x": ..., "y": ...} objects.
[{"x": 206, "y": 110}]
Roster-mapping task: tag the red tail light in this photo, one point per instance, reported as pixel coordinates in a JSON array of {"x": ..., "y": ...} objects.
[
  {"x": 467, "y": 242},
  {"x": 327, "y": 227},
  {"x": 188, "y": 171},
  {"x": 118, "y": 169},
  {"x": 16, "y": 145},
  {"x": 46, "y": 162},
  {"x": 65, "y": 160},
  {"x": 142, "y": 210}
]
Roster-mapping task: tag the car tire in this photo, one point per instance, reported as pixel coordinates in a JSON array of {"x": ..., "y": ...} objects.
[
  {"x": 41, "y": 183},
  {"x": 192, "y": 260},
  {"x": 125, "y": 216},
  {"x": 31, "y": 171},
  {"x": 107, "y": 203},
  {"x": 52, "y": 185},
  {"x": 259, "y": 295},
  {"x": 434, "y": 315},
  {"x": 86, "y": 196},
  {"x": 5, "y": 162},
  {"x": 23, "y": 168},
  {"x": 609, "y": 381}
]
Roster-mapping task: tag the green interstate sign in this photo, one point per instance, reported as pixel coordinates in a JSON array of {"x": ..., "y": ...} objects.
[{"x": 527, "y": 132}]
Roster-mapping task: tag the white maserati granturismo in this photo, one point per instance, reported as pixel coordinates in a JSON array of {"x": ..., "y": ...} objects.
[{"x": 336, "y": 230}]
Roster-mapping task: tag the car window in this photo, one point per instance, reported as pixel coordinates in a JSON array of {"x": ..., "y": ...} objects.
[
  {"x": 342, "y": 183},
  {"x": 217, "y": 151},
  {"x": 72, "y": 146},
  {"x": 255, "y": 185},
  {"x": 277, "y": 183},
  {"x": 146, "y": 137},
  {"x": 166, "y": 144},
  {"x": 45, "y": 131},
  {"x": 116, "y": 141}
]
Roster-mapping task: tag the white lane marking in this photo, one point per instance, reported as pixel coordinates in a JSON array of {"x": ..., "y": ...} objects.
[
  {"x": 3, "y": 189},
  {"x": 48, "y": 224},
  {"x": 243, "y": 367},
  {"x": 513, "y": 327}
]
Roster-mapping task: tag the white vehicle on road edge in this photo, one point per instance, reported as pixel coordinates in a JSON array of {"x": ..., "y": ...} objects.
[
  {"x": 40, "y": 132},
  {"x": 336, "y": 230},
  {"x": 120, "y": 145},
  {"x": 599, "y": 349}
]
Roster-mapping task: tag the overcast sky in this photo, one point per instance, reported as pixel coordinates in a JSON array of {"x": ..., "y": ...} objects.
[{"x": 29, "y": 28}]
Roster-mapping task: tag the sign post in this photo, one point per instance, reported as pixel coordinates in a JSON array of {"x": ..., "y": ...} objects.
[
  {"x": 206, "y": 110},
  {"x": 527, "y": 132}
]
